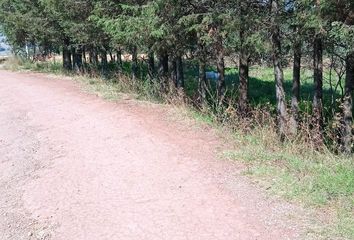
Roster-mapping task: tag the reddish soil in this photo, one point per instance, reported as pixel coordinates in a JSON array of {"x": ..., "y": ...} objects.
[{"x": 73, "y": 166}]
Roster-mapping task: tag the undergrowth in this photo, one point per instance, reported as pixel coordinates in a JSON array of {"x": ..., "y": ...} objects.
[{"x": 294, "y": 169}]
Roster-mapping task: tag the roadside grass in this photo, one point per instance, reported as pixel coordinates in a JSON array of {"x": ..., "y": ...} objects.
[
  {"x": 294, "y": 170},
  {"x": 321, "y": 180},
  {"x": 18, "y": 64},
  {"x": 120, "y": 87}
]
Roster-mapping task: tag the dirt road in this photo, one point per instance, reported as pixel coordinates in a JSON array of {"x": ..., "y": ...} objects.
[{"x": 73, "y": 166}]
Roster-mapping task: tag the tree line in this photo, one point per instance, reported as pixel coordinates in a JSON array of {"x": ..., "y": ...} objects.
[{"x": 205, "y": 33}]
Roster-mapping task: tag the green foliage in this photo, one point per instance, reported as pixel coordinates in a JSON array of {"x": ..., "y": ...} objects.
[{"x": 130, "y": 25}]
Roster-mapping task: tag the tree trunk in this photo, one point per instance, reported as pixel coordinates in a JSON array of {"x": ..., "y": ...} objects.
[
  {"x": 84, "y": 55},
  {"x": 77, "y": 59},
  {"x": 282, "y": 115},
  {"x": 202, "y": 84},
  {"x": 163, "y": 65},
  {"x": 151, "y": 65},
  {"x": 104, "y": 60},
  {"x": 180, "y": 72},
  {"x": 173, "y": 67},
  {"x": 67, "y": 64},
  {"x": 243, "y": 76},
  {"x": 27, "y": 51},
  {"x": 95, "y": 56},
  {"x": 73, "y": 53},
  {"x": 112, "y": 58},
  {"x": 295, "y": 98},
  {"x": 347, "y": 130},
  {"x": 34, "y": 50},
  {"x": 243, "y": 66},
  {"x": 317, "y": 111},
  {"x": 91, "y": 57},
  {"x": 134, "y": 63},
  {"x": 119, "y": 59},
  {"x": 163, "y": 70},
  {"x": 202, "y": 80},
  {"x": 220, "y": 63}
]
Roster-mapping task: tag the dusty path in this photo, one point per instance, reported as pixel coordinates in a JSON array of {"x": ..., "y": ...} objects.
[{"x": 75, "y": 167}]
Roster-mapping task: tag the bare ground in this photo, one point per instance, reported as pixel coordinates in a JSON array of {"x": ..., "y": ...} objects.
[{"x": 73, "y": 166}]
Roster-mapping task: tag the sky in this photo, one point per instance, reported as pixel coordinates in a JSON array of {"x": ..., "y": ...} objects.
[{"x": 3, "y": 45}]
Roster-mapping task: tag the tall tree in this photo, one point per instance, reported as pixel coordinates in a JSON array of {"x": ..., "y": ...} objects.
[
  {"x": 243, "y": 58},
  {"x": 296, "y": 24},
  {"x": 317, "y": 104},
  {"x": 278, "y": 70},
  {"x": 295, "y": 98},
  {"x": 347, "y": 129},
  {"x": 347, "y": 132}
]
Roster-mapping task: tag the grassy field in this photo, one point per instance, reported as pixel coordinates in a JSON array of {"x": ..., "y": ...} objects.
[{"x": 319, "y": 180}]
